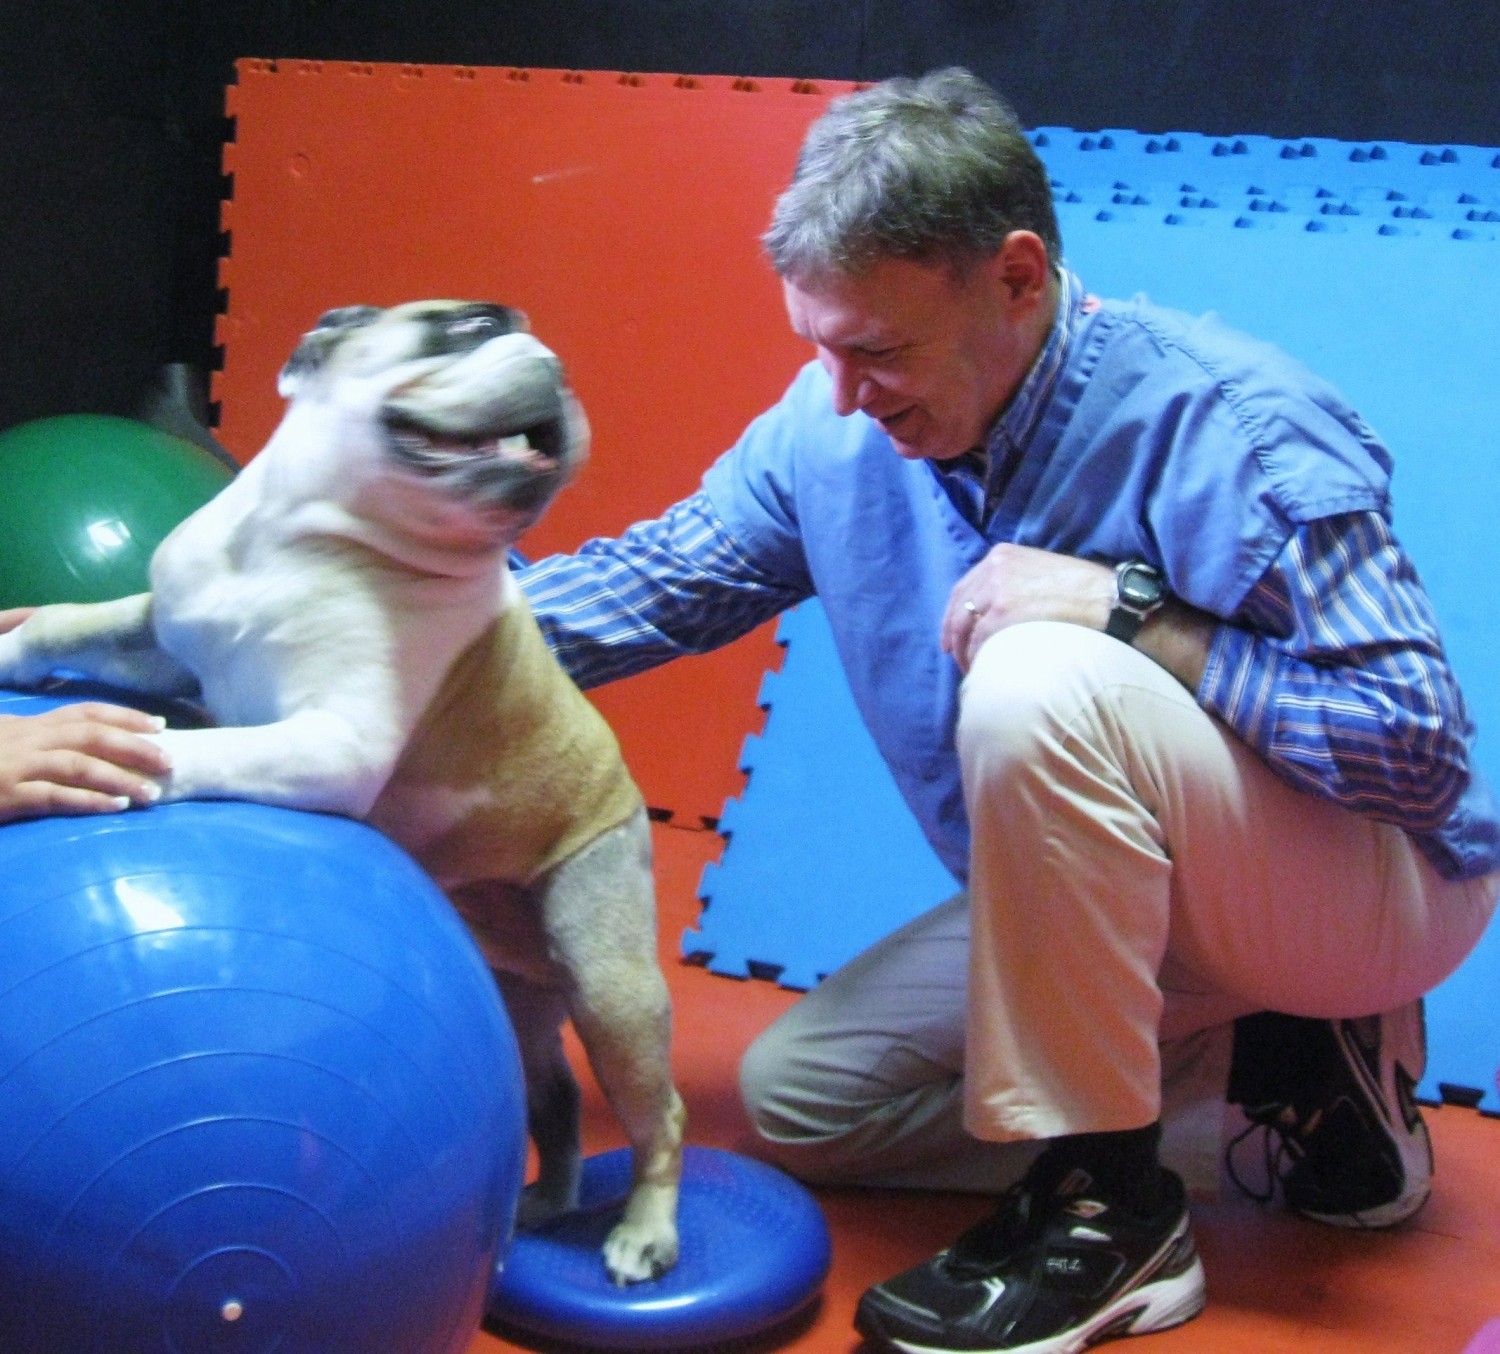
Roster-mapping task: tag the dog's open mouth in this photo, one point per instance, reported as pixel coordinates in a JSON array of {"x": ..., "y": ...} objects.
[
  {"x": 518, "y": 470},
  {"x": 426, "y": 449}
]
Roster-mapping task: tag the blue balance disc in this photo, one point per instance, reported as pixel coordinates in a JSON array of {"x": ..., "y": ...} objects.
[{"x": 755, "y": 1250}]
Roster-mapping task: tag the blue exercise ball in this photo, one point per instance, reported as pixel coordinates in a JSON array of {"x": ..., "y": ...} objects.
[{"x": 257, "y": 1090}]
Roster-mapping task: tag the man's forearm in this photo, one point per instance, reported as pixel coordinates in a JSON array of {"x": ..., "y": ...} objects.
[
  {"x": 667, "y": 588},
  {"x": 1179, "y": 638}
]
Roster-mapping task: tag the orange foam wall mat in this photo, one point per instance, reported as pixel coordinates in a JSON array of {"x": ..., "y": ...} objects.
[{"x": 621, "y": 212}]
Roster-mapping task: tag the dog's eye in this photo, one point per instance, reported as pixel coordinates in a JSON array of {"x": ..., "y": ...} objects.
[
  {"x": 464, "y": 330},
  {"x": 476, "y": 327}
]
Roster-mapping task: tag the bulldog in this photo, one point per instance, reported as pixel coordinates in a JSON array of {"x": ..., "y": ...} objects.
[{"x": 344, "y": 612}]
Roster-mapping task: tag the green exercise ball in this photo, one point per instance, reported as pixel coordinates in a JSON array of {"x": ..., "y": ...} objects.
[{"x": 84, "y": 501}]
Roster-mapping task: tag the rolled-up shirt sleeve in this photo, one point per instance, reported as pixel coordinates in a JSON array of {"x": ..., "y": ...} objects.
[
  {"x": 1334, "y": 672},
  {"x": 680, "y": 584}
]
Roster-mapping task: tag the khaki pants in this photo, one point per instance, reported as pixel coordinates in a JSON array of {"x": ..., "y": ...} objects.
[{"x": 1139, "y": 879}]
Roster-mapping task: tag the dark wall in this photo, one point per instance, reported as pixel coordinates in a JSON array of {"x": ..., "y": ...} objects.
[
  {"x": 95, "y": 180},
  {"x": 110, "y": 114}
]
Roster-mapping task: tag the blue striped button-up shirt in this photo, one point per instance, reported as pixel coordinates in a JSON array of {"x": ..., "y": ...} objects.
[{"x": 1327, "y": 662}]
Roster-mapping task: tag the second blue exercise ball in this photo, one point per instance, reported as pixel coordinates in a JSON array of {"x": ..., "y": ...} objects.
[{"x": 257, "y": 1091}]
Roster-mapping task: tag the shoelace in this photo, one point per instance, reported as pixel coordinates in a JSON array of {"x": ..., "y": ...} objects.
[
  {"x": 1282, "y": 1148},
  {"x": 986, "y": 1244},
  {"x": 1283, "y": 1133}
]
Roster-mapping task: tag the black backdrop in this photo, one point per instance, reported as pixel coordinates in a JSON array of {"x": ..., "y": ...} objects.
[{"x": 111, "y": 114}]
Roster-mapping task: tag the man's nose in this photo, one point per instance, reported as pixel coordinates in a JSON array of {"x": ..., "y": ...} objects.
[{"x": 849, "y": 382}]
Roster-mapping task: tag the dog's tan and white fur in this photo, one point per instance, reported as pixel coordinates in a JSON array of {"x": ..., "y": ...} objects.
[{"x": 345, "y": 610}]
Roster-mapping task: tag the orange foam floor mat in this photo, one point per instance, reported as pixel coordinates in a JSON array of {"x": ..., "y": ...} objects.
[{"x": 1276, "y": 1284}]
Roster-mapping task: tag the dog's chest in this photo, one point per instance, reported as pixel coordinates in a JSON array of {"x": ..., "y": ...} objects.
[
  {"x": 511, "y": 769},
  {"x": 253, "y": 623}
]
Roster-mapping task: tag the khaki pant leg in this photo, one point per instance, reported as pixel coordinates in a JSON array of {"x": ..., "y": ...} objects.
[{"x": 1138, "y": 875}]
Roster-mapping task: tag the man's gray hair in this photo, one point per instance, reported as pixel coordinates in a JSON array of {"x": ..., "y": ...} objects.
[{"x": 934, "y": 170}]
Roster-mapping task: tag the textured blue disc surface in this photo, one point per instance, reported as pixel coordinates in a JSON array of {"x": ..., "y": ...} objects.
[{"x": 755, "y": 1249}]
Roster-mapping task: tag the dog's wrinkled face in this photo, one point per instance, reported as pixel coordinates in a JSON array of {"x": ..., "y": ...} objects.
[{"x": 467, "y": 399}]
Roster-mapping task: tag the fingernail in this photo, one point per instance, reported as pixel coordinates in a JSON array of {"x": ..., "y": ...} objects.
[
  {"x": 120, "y": 802},
  {"x": 150, "y": 791},
  {"x": 158, "y": 723}
]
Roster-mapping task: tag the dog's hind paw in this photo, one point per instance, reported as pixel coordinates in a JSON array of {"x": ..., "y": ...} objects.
[
  {"x": 634, "y": 1254},
  {"x": 539, "y": 1207}
]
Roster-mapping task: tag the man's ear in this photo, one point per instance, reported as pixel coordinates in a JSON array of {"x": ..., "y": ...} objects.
[{"x": 1024, "y": 270}]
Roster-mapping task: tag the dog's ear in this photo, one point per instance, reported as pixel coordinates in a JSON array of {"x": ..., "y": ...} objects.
[
  {"x": 347, "y": 317},
  {"x": 318, "y": 342}
]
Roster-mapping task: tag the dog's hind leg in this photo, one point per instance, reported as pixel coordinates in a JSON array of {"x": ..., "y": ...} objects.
[
  {"x": 552, "y": 1097},
  {"x": 599, "y": 912}
]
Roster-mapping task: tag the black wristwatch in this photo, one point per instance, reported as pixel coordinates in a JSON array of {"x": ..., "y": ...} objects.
[{"x": 1139, "y": 590}]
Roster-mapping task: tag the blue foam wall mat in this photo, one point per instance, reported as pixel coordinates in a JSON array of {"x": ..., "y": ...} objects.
[
  {"x": 823, "y": 858},
  {"x": 1379, "y": 267}
]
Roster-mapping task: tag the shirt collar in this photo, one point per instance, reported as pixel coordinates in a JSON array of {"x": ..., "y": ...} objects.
[
  {"x": 979, "y": 477},
  {"x": 1013, "y": 429}
]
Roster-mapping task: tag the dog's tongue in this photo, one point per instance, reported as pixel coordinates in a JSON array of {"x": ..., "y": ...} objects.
[
  {"x": 515, "y": 450},
  {"x": 519, "y": 451}
]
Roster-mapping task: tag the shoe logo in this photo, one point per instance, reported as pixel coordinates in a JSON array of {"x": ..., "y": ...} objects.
[
  {"x": 1064, "y": 1266},
  {"x": 1075, "y": 1182},
  {"x": 1086, "y": 1208}
]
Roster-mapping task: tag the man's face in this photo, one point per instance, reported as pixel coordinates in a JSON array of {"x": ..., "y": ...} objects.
[{"x": 930, "y": 354}]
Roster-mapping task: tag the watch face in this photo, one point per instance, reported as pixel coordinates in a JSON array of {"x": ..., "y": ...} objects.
[{"x": 1140, "y": 585}]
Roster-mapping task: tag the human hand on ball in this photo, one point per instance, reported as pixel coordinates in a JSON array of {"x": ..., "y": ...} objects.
[{"x": 78, "y": 759}]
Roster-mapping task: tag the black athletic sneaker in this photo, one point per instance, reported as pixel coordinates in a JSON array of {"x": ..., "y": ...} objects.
[
  {"x": 1336, "y": 1100},
  {"x": 1054, "y": 1271}
]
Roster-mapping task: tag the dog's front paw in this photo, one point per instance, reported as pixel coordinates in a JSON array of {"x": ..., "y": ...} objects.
[
  {"x": 12, "y": 655},
  {"x": 634, "y": 1253}
]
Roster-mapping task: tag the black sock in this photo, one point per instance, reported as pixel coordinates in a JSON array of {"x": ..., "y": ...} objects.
[
  {"x": 1276, "y": 1058},
  {"x": 1124, "y": 1166}
]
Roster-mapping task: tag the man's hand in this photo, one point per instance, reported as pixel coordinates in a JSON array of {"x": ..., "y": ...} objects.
[
  {"x": 1020, "y": 583},
  {"x": 1015, "y": 583},
  {"x": 77, "y": 759}
]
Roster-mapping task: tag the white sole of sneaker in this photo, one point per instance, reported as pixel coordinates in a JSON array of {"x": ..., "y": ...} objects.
[{"x": 1141, "y": 1311}]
